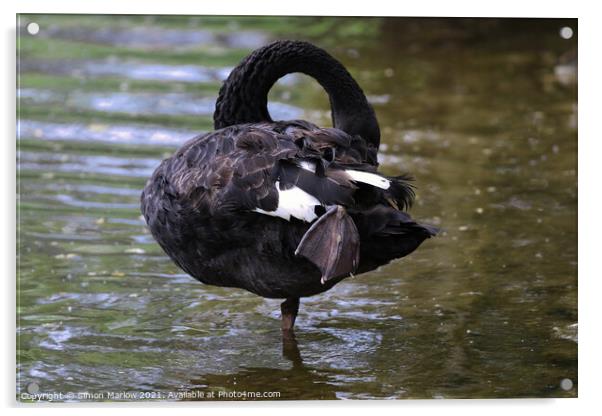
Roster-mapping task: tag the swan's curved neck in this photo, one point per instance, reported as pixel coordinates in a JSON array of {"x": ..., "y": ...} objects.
[{"x": 243, "y": 97}]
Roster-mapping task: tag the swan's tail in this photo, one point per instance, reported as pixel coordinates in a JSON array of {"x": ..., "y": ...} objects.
[{"x": 387, "y": 234}]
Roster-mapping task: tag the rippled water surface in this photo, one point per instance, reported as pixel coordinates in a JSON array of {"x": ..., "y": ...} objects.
[{"x": 482, "y": 112}]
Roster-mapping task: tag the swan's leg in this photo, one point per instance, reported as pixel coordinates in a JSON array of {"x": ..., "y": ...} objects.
[{"x": 289, "y": 309}]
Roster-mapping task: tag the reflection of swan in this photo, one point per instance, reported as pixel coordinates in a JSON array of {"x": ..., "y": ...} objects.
[
  {"x": 290, "y": 349},
  {"x": 282, "y": 209},
  {"x": 297, "y": 383}
]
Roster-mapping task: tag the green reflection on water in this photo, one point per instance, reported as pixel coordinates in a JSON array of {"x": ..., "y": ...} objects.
[{"x": 476, "y": 109}]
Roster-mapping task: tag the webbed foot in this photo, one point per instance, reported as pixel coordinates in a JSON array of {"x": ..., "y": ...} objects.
[{"x": 332, "y": 243}]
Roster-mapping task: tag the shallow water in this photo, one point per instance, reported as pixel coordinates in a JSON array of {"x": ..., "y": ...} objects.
[{"x": 482, "y": 112}]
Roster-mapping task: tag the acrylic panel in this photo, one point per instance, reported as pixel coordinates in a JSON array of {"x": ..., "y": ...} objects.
[{"x": 482, "y": 112}]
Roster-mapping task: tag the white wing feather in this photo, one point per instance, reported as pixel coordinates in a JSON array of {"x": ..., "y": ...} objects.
[
  {"x": 369, "y": 178},
  {"x": 294, "y": 202}
]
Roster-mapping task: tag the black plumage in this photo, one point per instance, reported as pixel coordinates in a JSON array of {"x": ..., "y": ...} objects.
[{"x": 212, "y": 206}]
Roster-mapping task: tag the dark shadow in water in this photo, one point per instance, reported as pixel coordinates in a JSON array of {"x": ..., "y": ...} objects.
[
  {"x": 290, "y": 350},
  {"x": 296, "y": 383}
]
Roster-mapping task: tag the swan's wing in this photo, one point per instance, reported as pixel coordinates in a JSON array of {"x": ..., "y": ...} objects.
[
  {"x": 286, "y": 170},
  {"x": 223, "y": 172}
]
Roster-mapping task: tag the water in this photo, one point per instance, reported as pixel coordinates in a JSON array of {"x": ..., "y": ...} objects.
[{"x": 482, "y": 112}]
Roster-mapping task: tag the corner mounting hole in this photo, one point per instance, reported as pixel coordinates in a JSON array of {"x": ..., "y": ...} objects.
[
  {"x": 33, "y": 28},
  {"x": 566, "y": 384},
  {"x": 566, "y": 32}
]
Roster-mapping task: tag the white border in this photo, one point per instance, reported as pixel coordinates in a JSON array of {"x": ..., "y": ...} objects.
[{"x": 590, "y": 154}]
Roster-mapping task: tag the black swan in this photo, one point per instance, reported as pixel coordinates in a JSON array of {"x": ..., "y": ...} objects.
[{"x": 283, "y": 209}]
